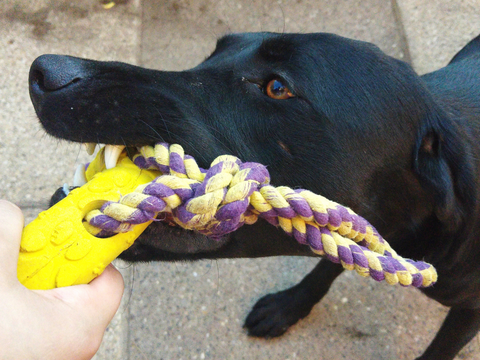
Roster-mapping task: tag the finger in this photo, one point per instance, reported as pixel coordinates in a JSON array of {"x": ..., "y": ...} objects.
[
  {"x": 98, "y": 300},
  {"x": 11, "y": 226}
]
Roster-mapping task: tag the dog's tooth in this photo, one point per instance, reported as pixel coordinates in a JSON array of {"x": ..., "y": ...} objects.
[
  {"x": 112, "y": 152},
  {"x": 90, "y": 147},
  {"x": 66, "y": 189},
  {"x": 79, "y": 178}
]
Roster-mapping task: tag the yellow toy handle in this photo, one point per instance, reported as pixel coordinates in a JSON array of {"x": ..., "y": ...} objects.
[{"x": 56, "y": 249}]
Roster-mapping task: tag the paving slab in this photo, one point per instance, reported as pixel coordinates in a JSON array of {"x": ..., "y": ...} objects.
[
  {"x": 34, "y": 165},
  {"x": 178, "y": 34},
  {"x": 438, "y": 30},
  {"x": 197, "y": 312}
]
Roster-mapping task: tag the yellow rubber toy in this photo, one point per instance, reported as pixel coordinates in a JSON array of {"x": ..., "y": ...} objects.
[{"x": 56, "y": 249}]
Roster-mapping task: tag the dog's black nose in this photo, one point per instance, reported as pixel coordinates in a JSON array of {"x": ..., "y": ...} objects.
[{"x": 53, "y": 72}]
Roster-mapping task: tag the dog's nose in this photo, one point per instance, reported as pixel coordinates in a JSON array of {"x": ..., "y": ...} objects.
[{"x": 53, "y": 72}]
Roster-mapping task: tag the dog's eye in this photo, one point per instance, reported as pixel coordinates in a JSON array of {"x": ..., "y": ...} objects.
[{"x": 277, "y": 90}]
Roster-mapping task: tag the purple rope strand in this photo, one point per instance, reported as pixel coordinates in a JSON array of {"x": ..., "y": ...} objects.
[{"x": 233, "y": 193}]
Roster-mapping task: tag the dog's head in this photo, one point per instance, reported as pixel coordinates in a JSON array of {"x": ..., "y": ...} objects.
[{"x": 329, "y": 114}]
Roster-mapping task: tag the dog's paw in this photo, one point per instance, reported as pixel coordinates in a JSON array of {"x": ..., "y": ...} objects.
[{"x": 273, "y": 314}]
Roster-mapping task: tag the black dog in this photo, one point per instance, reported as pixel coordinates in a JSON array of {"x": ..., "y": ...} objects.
[{"x": 332, "y": 115}]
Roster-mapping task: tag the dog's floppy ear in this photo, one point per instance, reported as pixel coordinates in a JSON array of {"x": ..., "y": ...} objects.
[{"x": 443, "y": 162}]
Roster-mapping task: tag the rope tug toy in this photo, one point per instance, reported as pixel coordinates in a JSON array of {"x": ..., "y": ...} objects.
[{"x": 72, "y": 242}]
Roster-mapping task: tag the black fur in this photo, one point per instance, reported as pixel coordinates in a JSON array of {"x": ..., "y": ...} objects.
[{"x": 363, "y": 129}]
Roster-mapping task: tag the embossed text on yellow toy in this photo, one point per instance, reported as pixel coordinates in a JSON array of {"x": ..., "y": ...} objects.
[{"x": 57, "y": 250}]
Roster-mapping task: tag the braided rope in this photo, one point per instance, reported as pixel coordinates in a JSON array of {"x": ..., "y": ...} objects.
[{"x": 232, "y": 193}]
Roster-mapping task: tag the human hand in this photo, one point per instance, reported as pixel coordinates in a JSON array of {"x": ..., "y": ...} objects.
[{"x": 63, "y": 323}]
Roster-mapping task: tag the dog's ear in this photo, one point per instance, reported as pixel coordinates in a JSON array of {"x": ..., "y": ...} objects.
[{"x": 443, "y": 162}]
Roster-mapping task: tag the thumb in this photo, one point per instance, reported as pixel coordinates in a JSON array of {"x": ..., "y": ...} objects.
[
  {"x": 99, "y": 300},
  {"x": 106, "y": 292},
  {"x": 11, "y": 226}
]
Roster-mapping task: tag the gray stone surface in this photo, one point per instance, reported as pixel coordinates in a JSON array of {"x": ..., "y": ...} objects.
[
  {"x": 436, "y": 31},
  {"x": 178, "y": 34},
  {"x": 196, "y": 310},
  {"x": 34, "y": 165}
]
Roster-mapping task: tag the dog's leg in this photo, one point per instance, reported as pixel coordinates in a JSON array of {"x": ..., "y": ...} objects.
[
  {"x": 458, "y": 328},
  {"x": 273, "y": 314}
]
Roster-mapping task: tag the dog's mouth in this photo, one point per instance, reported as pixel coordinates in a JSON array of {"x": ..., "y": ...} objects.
[
  {"x": 95, "y": 102},
  {"x": 164, "y": 234},
  {"x": 107, "y": 157},
  {"x": 110, "y": 155}
]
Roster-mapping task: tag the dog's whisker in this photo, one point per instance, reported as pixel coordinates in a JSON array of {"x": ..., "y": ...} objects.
[
  {"x": 154, "y": 137},
  {"x": 127, "y": 148},
  {"x": 164, "y": 122},
  {"x": 283, "y": 16},
  {"x": 158, "y": 136},
  {"x": 131, "y": 285},
  {"x": 210, "y": 127},
  {"x": 78, "y": 153},
  {"x": 194, "y": 150}
]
